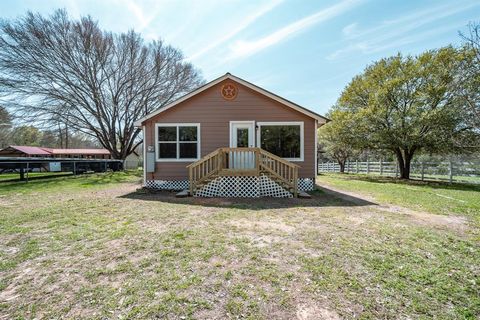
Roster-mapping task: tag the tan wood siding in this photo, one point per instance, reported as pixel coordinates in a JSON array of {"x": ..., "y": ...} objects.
[{"x": 214, "y": 114}]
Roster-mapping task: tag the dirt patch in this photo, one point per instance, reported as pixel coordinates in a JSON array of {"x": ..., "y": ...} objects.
[
  {"x": 264, "y": 225},
  {"x": 313, "y": 312}
]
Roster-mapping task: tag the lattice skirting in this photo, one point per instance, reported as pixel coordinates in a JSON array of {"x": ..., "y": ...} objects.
[
  {"x": 167, "y": 184},
  {"x": 243, "y": 187},
  {"x": 306, "y": 184},
  {"x": 234, "y": 187}
]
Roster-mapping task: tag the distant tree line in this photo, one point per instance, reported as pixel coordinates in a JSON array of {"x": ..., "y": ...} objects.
[
  {"x": 407, "y": 105},
  {"x": 30, "y": 135},
  {"x": 55, "y": 70}
]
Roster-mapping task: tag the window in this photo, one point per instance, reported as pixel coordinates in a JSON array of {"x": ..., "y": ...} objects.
[
  {"x": 284, "y": 139},
  {"x": 177, "y": 142}
]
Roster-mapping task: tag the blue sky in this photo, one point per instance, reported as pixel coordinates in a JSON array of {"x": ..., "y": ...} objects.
[{"x": 305, "y": 51}]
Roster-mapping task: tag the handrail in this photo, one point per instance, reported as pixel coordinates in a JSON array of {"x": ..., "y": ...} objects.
[{"x": 243, "y": 161}]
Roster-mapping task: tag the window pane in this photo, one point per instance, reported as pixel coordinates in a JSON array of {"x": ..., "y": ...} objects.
[
  {"x": 188, "y": 150},
  {"x": 167, "y": 133},
  {"x": 188, "y": 133},
  {"x": 283, "y": 141},
  {"x": 242, "y": 137},
  {"x": 167, "y": 150}
]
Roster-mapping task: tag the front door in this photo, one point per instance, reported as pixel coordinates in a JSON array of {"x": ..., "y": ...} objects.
[{"x": 242, "y": 135}]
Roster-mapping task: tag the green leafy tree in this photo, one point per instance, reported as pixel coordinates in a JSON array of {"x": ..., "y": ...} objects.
[
  {"x": 5, "y": 127},
  {"x": 335, "y": 138},
  {"x": 26, "y": 136},
  {"x": 408, "y": 104}
]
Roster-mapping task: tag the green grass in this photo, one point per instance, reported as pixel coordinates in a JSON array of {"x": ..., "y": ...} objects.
[
  {"x": 68, "y": 183},
  {"x": 31, "y": 175},
  {"x": 433, "y": 197},
  {"x": 93, "y": 247}
]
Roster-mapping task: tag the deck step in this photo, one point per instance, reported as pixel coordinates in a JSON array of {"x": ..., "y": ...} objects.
[
  {"x": 183, "y": 194},
  {"x": 303, "y": 195}
]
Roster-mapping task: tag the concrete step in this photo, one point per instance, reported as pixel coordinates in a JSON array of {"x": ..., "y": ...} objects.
[{"x": 183, "y": 194}]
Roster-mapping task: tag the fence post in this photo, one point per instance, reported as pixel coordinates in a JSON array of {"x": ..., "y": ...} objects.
[
  {"x": 74, "y": 168},
  {"x": 356, "y": 164},
  {"x": 450, "y": 171},
  {"x": 396, "y": 169},
  {"x": 368, "y": 166},
  {"x": 28, "y": 169},
  {"x": 348, "y": 166},
  {"x": 381, "y": 167},
  {"x": 423, "y": 169}
]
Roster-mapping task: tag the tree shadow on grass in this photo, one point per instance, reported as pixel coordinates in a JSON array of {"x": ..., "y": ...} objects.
[
  {"x": 411, "y": 182},
  {"x": 323, "y": 197}
]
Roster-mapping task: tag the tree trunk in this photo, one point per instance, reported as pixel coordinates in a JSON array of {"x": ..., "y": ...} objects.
[
  {"x": 342, "y": 166},
  {"x": 404, "y": 159}
]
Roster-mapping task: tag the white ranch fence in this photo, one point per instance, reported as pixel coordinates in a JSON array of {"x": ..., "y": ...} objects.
[{"x": 451, "y": 171}]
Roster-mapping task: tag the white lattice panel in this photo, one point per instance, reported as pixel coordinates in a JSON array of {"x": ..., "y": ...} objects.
[
  {"x": 211, "y": 190},
  {"x": 306, "y": 184},
  {"x": 239, "y": 187},
  {"x": 167, "y": 184},
  {"x": 269, "y": 188}
]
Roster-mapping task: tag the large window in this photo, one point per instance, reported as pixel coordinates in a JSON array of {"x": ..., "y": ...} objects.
[
  {"x": 284, "y": 139},
  {"x": 177, "y": 142}
]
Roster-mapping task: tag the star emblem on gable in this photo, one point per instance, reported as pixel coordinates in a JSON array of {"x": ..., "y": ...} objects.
[{"x": 229, "y": 91}]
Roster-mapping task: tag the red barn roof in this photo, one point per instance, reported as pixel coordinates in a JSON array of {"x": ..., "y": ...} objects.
[
  {"x": 36, "y": 151},
  {"x": 41, "y": 151},
  {"x": 78, "y": 151}
]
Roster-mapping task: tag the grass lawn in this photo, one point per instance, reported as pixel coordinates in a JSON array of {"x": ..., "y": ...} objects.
[
  {"x": 94, "y": 247},
  {"x": 433, "y": 197},
  {"x": 31, "y": 175}
]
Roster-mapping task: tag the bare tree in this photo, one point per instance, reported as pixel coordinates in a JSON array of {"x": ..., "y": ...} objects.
[
  {"x": 469, "y": 84},
  {"x": 99, "y": 83}
]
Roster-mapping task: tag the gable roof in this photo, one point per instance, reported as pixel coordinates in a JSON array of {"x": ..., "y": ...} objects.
[
  {"x": 36, "y": 151},
  {"x": 247, "y": 84}
]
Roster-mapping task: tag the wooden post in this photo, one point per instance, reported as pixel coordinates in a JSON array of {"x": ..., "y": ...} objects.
[
  {"x": 423, "y": 169},
  {"x": 295, "y": 182},
  {"x": 450, "y": 171},
  {"x": 396, "y": 169},
  {"x": 381, "y": 167},
  {"x": 74, "y": 168},
  {"x": 356, "y": 165},
  {"x": 348, "y": 166},
  {"x": 190, "y": 180},
  {"x": 368, "y": 166},
  {"x": 257, "y": 161}
]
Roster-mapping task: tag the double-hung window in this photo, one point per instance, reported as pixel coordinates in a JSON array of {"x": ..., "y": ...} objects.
[
  {"x": 284, "y": 139},
  {"x": 177, "y": 142}
]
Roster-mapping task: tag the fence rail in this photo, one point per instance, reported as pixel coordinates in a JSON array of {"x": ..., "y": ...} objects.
[{"x": 451, "y": 171}]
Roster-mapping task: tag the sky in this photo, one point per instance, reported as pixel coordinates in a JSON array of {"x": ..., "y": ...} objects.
[{"x": 305, "y": 51}]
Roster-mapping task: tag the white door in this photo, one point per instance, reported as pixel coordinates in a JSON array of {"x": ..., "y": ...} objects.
[{"x": 242, "y": 135}]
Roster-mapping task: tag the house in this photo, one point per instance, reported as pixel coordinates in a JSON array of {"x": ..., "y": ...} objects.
[
  {"x": 231, "y": 138},
  {"x": 42, "y": 152}
]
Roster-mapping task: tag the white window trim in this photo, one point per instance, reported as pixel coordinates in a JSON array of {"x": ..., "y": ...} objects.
[
  {"x": 157, "y": 125},
  {"x": 280, "y": 123}
]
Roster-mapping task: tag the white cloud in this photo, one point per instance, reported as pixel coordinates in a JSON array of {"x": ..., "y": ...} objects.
[
  {"x": 350, "y": 30},
  {"x": 391, "y": 33},
  {"x": 259, "y": 12},
  {"x": 245, "y": 48},
  {"x": 138, "y": 11}
]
